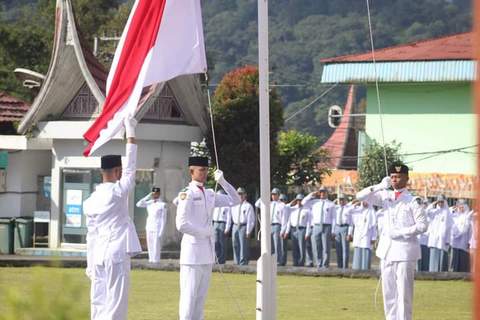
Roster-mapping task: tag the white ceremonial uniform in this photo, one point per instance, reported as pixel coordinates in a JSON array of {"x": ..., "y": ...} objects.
[
  {"x": 197, "y": 252},
  {"x": 111, "y": 241},
  {"x": 439, "y": 227},
  {"x": 157, "y": 216},
  {"x": 398, "y": 247},
  {"x": 364, "y": 227}
]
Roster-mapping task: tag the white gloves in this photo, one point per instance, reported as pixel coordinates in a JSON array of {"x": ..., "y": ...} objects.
[
  {"x": 385, "y": 184},
  {"x": 130, "y": 123},
  {"x": 218, "y": 175}
]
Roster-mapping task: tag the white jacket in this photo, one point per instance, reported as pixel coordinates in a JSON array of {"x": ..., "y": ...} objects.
[
  {"x": 111, "y": 233},
  {"x": 364, "y": 227},
  {"x": 439, "y": 228},
  {"x": 461, "y": 230},
  {"x": 404, "y": 219},
  {"x": 157, "y": 214},
  {"x": 194, "y": 220}
]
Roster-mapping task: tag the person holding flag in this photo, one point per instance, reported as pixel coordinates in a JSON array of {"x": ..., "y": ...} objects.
[{"x": 194, "y": 219}]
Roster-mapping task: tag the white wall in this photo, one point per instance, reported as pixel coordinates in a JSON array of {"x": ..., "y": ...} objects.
[
  {"x": 170, "y": 175},
  {"x": 23, "y": 170}
]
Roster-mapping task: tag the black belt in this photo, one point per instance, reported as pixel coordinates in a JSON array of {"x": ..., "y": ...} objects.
[
  {"x": 300, "y": 227},
  {"x": 322, "y": 224},
  {"x": 275, "y": 224},
  {"x": 218, "y": 221},
  {"x": 344, "y": 225},
  {"x": 240, "y": 224}
]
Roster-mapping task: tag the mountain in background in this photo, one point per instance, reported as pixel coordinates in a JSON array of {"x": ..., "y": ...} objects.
[{"x": 301, "y": 33}]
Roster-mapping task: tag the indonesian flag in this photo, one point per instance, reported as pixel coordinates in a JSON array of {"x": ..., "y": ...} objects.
[{"x": 162, "y": 39}]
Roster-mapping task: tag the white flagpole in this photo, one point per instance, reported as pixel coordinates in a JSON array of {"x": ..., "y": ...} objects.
[{"x": 266, "y": 266}]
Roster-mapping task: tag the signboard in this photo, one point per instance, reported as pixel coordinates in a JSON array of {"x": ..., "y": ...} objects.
[
  {"x": 47, "y": 186},
  {"x": 3, "y": 159},
  {"x": 73, "y": 208}
]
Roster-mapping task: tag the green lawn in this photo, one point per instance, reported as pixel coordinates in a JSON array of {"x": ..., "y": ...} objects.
[{"x": 154, "y": 295}]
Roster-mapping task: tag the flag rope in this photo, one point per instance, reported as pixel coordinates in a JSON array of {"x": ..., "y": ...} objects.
[{"x": 220, "y": 267}]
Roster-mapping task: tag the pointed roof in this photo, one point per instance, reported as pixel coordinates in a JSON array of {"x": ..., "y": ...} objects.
[
  {"x": 342, "y": 144},
  {"x": 70, "y": 67},
  {"x": 11, "y": 108},
  {"x": 73, "y": 66},
  {"x": 452, "y": 47}
]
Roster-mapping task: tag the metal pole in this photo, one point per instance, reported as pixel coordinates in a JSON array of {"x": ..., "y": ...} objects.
[{"x": 266, "y": 267}]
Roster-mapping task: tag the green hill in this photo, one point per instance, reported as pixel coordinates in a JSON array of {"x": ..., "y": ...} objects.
[{"x": 301, "y": 33}]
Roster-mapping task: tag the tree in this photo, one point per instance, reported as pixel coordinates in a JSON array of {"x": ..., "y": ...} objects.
[
  {"x": 235, "y": 115},
  {"x": 298, "y": 159},
  {"x": 372, "y": 165}
]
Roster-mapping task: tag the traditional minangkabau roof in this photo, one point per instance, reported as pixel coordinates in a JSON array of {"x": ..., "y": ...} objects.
[
  {"x": 342, "y": 144},
  {"x": 448, "y": 58},
  {"x": 11, "y": 108},
  {"x": 73, "y": 67}
]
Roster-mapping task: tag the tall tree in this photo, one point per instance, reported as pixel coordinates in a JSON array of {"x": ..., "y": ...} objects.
[
  {"x": 372, "y": 165},
  {"x": 299, "y": 159},
  {"x": 236, "y": 116}
]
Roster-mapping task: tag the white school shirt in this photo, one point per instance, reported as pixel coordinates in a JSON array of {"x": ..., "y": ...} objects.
[{"x": 243, "y": 213}]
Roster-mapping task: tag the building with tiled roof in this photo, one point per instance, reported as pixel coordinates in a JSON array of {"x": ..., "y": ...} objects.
[
  {"x": 12, "y": 109},
  {"x": 46, "y": 168},
  {"x": 426, "y": 105}
]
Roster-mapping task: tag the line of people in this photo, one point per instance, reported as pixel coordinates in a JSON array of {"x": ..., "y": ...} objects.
[{"x": 314, "y": 225}]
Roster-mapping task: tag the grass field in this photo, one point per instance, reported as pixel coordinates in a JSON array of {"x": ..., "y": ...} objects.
[{"x": 154, "y": 295}]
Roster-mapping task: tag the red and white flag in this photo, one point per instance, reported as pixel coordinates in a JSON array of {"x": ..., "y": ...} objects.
[{"x": 162, "y": 39}]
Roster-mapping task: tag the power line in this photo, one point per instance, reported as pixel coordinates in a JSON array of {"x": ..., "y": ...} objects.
[{"x": 314, "y": 100}]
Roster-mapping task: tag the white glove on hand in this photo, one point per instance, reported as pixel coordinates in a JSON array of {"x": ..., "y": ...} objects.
[
  {"x": 218, "y": 175},
  {"x": 385, "y": 184},
  {"x": 130, "y": 123}
]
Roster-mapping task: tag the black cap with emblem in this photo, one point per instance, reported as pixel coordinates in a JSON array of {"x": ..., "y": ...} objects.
[
  {"x": 398, "y": 168},
  {"x": 198, "y": 161},
  {"x": 155, "y": 189},
  {"x": 111, "y": 161}
]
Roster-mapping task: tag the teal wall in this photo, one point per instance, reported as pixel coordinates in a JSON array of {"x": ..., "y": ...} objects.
[{"x": 426, "y": 118}]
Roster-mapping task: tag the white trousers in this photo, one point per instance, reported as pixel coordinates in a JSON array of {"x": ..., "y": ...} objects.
[
  {"x": 153, "y": 245},
  {"x": 194, "y": 282},
  {"x": 397, "y": 286},
  {"x": 109, "y": 290}
]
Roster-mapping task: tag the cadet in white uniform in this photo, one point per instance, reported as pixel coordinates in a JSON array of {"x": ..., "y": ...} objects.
[
  {"x": 278, "y": 216},
  {"x": 299, "y": 229},
  {"x": 243, "y": 219},
  {"x": 194, "y": 220},
  {"x": 343, "y": 228},
  {"x": 157, "y": 216},
  {"x": 323, "y": 216},
  {"x": 221, "y": 224},
  {"x": 111, "y": 237},
  {"x": 364, "y": 234},
  {"x": 398, "y": 247},
  {"x": 439, "y": 234},
  {"x": 460, "y": 236}
]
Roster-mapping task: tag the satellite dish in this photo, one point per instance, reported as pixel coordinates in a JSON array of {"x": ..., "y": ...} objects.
[
  {"x": 335, "y": 114},
  {"x": 30, "y": 79}
]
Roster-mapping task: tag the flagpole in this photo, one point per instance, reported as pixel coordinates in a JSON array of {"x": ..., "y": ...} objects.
[{"x": 266, "y": 265}]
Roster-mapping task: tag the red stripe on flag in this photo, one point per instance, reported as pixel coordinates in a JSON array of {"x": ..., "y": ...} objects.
[{"x": 139, "y": 40}]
